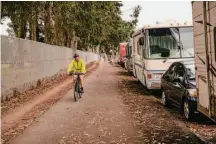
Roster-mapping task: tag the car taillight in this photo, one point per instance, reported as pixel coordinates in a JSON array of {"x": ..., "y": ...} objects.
[{"x": 149, "y": 76}]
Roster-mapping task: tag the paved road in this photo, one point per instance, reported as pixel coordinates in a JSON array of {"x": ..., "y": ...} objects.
[{"x": 101, "y": 116}]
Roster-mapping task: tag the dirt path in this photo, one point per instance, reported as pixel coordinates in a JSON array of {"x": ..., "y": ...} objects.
[
  {"x": 22, "y": 115},
  {"x": 111, "y": 111},
  {"x": 99, "y": 117}
]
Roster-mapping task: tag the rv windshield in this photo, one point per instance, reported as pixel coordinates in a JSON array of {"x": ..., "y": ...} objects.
[
  {"x": 170, "y": 43},
  {"x": 186, "y": 40}
]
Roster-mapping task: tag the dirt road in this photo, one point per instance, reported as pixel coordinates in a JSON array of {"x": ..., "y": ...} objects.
[{"x": 109, "y": 112}]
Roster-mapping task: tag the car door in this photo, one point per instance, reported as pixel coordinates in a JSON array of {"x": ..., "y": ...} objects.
[
  {"x": 178, "y": 87},
  {"x": 167, "y": 80}
]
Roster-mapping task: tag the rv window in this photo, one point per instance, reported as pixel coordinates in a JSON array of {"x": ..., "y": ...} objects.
[
  {"x": 144, "y": 50},
  {"x": 215, "y": 42},
  {"x": 141, "y": 41}
]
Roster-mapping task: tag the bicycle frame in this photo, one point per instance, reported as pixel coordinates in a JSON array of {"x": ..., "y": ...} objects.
[{"x": 77, "y": 88}]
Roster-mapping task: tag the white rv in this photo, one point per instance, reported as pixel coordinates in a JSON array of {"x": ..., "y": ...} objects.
[
  {"x": 155, "y": 48},
  {"x": 128, "y": 61}
]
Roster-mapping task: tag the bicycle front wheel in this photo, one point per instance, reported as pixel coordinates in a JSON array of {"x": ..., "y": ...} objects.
[{"x": 76, "y": 92}]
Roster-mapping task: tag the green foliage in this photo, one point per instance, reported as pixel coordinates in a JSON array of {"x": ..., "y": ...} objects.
[{"x": 96, "y": 23}]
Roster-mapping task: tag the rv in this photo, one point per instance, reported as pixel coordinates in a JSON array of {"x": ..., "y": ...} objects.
[
  {"x": 128, "y": 61},
  {"x": 204, "y": 20},
  {"x": 122, "y": 53},
  {"x": 155, "y": 48}
]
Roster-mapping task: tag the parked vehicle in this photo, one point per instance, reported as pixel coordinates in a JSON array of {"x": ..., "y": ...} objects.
[
  {"x": 155, "y": 48},
  {"x": 179, "y": 88},
  {"x": 128, "y": 61},
  {"x": 122, "y": 53},
  {"x": 204, "y": 19}
]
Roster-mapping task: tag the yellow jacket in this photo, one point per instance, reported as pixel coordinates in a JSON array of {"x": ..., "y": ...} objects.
[{"x": 76, "y": 66}]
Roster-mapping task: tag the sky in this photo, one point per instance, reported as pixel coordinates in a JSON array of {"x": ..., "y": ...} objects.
[
  {"x": 151, "y": 12},
  {"x": 4, "y": 27}
]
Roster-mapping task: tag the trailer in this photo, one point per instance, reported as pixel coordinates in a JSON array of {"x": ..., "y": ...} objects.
[{"x": 204, "y": 21}]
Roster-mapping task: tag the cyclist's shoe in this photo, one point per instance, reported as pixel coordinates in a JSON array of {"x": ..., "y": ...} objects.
[{"x": 81, "y": 90}]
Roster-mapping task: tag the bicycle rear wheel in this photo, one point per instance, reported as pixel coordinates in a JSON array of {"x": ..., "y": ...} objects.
[{"x": 79, "y": 90}]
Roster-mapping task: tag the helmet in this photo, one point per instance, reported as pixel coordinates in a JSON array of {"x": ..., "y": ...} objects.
[{"x": 76, "y": 55}]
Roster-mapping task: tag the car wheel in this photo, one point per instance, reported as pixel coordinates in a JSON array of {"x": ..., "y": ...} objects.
[
  {"x": 187, "y": 111},
  {"x": 164, "y": 99}
]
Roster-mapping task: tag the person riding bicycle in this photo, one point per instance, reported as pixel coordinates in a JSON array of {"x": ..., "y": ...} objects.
[{"x": 77, "y": 65}]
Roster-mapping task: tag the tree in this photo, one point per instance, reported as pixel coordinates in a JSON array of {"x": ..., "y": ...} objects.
[{"x": 97, "y": 24}]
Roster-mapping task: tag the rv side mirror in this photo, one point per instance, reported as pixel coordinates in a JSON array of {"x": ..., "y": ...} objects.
[{"x": 141, "y": 41}]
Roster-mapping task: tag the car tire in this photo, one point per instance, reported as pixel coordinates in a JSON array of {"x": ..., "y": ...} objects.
[
  {"x": 187, "y": 110},
  {"x": 164, "y": 100}
]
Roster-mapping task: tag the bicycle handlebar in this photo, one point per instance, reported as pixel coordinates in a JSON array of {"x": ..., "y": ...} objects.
[{"x": 78, "y": 73}]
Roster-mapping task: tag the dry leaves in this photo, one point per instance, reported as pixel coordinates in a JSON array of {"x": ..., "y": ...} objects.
[{"x": 156, "y": 123}]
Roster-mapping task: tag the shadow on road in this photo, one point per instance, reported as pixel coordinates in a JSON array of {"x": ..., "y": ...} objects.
[{"x": 70, "y": 99}]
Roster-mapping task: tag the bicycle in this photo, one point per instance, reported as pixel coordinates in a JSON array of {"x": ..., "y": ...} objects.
[{"x": 77, "y": 91}]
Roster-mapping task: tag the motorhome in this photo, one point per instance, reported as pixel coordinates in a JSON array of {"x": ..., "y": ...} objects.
[
  {"x": 204, "y": 21},
  {"x": 128, "y": 61},
  {"x": 122, "y": 53},
  {"x": 156, "y": 47}
]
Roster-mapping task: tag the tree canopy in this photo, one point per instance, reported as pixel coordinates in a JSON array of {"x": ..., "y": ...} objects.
[{"x": 95, "y": 23}]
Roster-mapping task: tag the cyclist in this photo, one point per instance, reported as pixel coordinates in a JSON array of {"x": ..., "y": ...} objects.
[{"x": 77, "y": 65}]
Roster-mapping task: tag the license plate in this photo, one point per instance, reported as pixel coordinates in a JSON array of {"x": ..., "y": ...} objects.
[{"x": 157, "y": 76}]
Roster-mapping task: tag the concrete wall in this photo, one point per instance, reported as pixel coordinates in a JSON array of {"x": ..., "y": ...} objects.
[{"x": 25, "y": 61}]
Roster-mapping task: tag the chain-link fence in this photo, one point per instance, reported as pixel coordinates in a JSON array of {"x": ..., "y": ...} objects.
[{"x": 25, "y": 61}]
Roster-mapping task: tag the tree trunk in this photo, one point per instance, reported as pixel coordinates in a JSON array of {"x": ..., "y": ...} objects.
[
  {"x": 33, "y": 24},
  {"x": 74, "y": 41},
  {"x": 97, "y": 49},
  {"x": 47, "y": 21},
  {"x": 22, "y": 29}
]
